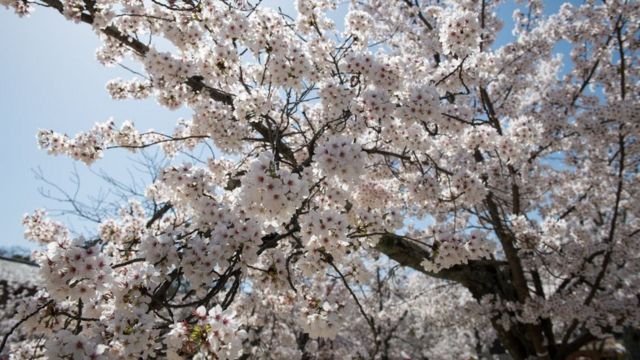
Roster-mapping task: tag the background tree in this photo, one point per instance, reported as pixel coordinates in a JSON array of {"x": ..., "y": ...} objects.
[{"x": 330, "y": 143}]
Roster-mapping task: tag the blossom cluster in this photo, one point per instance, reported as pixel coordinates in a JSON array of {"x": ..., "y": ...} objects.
[
  {"x": 135, "y": 89},
  {"x": 339, "y": 156},
  {"x": 89, "y": 147},
  {"x": 215, "y": 333},
  {"x": 451, "y": 251},
  {"x": 271, "y": 193},
  {"x": 460, "y": 32},
  {"x": 76, "y": 271},
  {"x": 320, "y": 320}
]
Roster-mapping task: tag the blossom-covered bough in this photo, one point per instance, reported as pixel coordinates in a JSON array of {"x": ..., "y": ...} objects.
[{"x": 332, "y": 142}]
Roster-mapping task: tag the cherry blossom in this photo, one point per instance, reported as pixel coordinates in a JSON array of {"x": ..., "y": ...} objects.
[{"x": 390, "y": 184}]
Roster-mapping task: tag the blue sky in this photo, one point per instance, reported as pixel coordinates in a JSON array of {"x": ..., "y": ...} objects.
[{"x": 49, "y": 78}]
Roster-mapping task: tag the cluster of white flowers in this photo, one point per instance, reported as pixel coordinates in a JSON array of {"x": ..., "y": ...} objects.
[
  {"x": 128, "y": 136},
  {"x": 375, "y": 104},
  {"x": 133, "y": 332},
  {"x": 111, "y": 52},
  {"x": 321, "y": 319},
  {"x": 312, "y": 16},
  {"x": 290, "y": 68},
  {"x": 204, "y": 258},
  {"x": 451, "y": 250},
  {"x": 73, "y": 270},
  {"x": 128, "y": 230},
  {"x": 373, "y": 195},
  {"x": 216, "y": 120},
  {"x": 164, "y": 67},
  {"x": 216, "y": 333},
  {"x": 89, "y": 146},
  {"x": 184, "y": 185},
  {"x": 73, "y": 9},
  {"x": 65, "y": 344},
  {"x": 421, "y": 105},
  {"x": 335, "y": 99},
  {"x": 86, "y": 147},
  {"x": 270, "y": 193},
  {"x": 273, "y": 271},
  {"x": 466, "y": 186},
  {"x": 235, "y": 234},
  {"x": 381, "y": 71},
  {"x": 359, "y": 24},
  {"x": 20, "y": 7},
  {"x": 459, "y": 32},
  {"x": 522, "y": 134},
  {"x": 252, "y": 105},
  {"x": 326, "y": 231},
  {"x": 132, "y": 89},
  {"x": 480, "y": 137},
  {"x": 41, "y": 229},
  {"x": 159, "y": 250},
  {"x": 341, "y": 157}
]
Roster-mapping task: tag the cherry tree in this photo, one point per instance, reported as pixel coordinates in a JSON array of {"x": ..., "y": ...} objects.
[{"x": 335, "y": 139}]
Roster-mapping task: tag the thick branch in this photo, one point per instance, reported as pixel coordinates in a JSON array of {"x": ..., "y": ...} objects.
[{"x": 479, "y": 276}]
